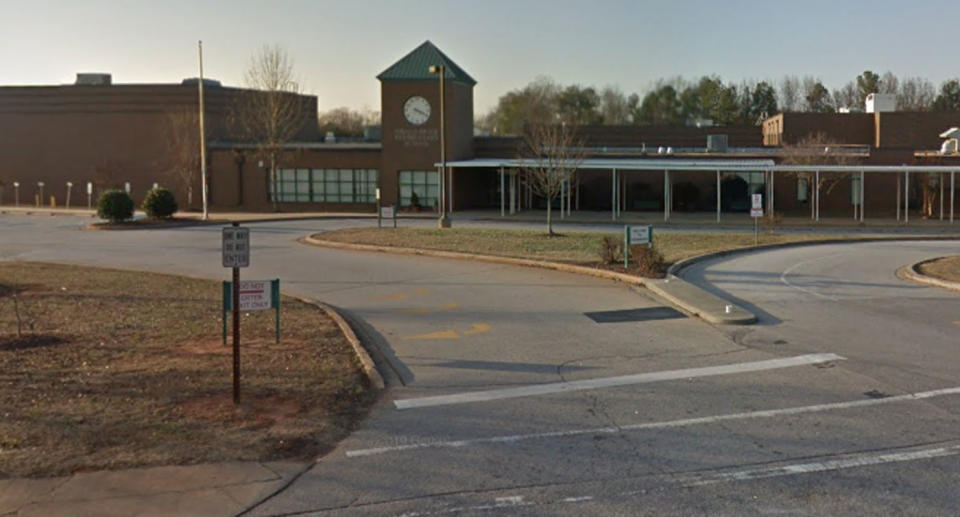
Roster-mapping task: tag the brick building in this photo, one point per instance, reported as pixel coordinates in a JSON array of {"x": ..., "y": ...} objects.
[{"x": 111, "y": 134}]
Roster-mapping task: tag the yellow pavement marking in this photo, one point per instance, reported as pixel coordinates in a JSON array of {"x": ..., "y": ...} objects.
[
  {"x": 443, "y": 334},
  {"x": 957, "y": 323},
  {"x": 401, "y": 296},
  {"x": 478, "y": 328},
  {"x": 427, "y": 310}
]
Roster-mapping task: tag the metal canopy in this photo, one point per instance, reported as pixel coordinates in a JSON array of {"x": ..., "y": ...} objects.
[
  {"x": 627, "y": 164},
  {"x": 702, "y": 165}
]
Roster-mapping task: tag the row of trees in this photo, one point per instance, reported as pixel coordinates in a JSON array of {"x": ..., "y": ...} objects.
[{"x": 678, "y": 101}]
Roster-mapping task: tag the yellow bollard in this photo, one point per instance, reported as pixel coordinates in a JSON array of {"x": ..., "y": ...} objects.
[
  {"x": 53, "y": 201},
  {"x": 36, "y": 200}
]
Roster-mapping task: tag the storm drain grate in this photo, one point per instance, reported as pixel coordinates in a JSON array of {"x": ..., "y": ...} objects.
[{"x": 628, "y": 315}]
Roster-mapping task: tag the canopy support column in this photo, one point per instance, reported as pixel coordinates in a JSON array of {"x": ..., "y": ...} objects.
[
  {"x": 816, "y": 197},
  {"x": 503, "y": 195},
  {"x": 613, "y": 194},
  {"x": 667, "y": 195},
  {"x": 940, "y": 181},
  {"x": 772, "y": 192},
  {"x": 898, "y": 197},
  {"x": 951, "y": 196},
  {"x": 906, "y": 196},
  {"x": 718, "y": 196},
  {"x": 863, "y": 196}
]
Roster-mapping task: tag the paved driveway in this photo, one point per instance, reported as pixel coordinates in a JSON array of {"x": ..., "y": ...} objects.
[{"x": 521, "y": 391}]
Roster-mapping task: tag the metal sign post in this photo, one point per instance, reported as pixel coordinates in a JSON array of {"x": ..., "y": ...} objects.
[
  {"x": 635, "y": 235},
  {"x": 236, "y": 254},
  {"x": 756, "y": 212}
]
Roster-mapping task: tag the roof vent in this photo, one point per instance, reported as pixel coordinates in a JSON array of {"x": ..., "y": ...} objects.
[
  {"x": 717, "y": 143},
  {"x": 85, "y": 79},
  {"x": 193, "y": 81}
]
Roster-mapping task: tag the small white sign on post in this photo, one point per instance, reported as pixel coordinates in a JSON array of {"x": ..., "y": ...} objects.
[
  {"x": 255, "y": 295},
  {"x": 387, "y": 212},
  {"x": 640, "y": 234},
  {"x": 756, "y": 205},
  {"x": 236, "y": 247}
]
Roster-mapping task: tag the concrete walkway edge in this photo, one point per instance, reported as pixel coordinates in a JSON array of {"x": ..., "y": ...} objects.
[{"x": 674, "y": 290}]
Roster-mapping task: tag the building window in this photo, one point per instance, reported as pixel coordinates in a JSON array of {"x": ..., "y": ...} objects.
[
  {"x": 326, "y": 185},
  {"x": 425, "y": 184}
]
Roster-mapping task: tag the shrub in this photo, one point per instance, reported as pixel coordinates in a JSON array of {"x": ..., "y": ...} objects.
[
  {"x": 649, "y": 261},
  {"x": 414, "y": 200},
  {"x": 159, "y": 203},
  {"x": 611, "y": 250},
  {"x": 115, "y": 206}
]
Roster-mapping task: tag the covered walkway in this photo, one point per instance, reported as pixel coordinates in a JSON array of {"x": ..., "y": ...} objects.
[{"x": 514, "y": 195}]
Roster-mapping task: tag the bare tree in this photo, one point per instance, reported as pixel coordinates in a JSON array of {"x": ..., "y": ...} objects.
[
  {"x": 818, "y": 149},
  {"x": 614, "y": 106},
  {"x": 344, "y": 121},
  {"x": 789, "y": 93},
  {"x": 274, "y": 112},
  {"x": 182, "y": 133},
  {"x": 916, "y": 94},
  {"x": 550, "y": 155}
]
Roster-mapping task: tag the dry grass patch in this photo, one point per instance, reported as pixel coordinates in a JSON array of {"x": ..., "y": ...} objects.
[
  {"x": 571, "y": 247},
  {"x": 117, "y": 369},
  {"x": 946, "y": 268}
]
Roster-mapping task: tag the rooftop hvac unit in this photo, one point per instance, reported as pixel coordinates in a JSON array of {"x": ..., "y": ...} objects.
[
  {"x": 717, "y": 143},
  {"x": 881, "y": 102},
  {"x": 93, "y": 80},
  {"x": 949, "y": 146}
]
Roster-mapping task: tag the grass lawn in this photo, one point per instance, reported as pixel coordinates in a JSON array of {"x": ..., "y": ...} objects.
[
  {"x": 117, "y": 369},
  {"x": 947, "y": 268},
  {"x": 572, "y": 247}
]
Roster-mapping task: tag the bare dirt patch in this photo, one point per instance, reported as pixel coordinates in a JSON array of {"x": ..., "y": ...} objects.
[
  {"x": 115, "y": 369},
  {"x": 946, "y": 268}
]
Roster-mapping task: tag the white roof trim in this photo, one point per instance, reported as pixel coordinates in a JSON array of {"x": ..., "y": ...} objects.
[{"x": 704, "y": 165}]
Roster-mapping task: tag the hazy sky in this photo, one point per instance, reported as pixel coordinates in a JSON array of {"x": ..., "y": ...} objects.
[{"x": 339, "y": 46}]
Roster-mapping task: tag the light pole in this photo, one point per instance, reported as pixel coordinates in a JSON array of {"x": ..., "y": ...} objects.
[
  {"x": 16, "y": 193},
  {"x": 69, "y": 190},
  {"x": 40, "y": 197},
  {"x": 444, "y": 221}
]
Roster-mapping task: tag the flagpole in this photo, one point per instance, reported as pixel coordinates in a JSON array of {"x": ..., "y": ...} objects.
[{"x": 203, "y": 137}]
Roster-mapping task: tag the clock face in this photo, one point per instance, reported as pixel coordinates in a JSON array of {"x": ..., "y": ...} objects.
[{"x": 416, "y": 110}]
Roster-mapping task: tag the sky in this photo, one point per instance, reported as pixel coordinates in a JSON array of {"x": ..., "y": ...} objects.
[{"x": 338, "y": 47}]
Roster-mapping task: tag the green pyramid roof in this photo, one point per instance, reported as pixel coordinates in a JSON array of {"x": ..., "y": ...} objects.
[{"x": 415, "y": 66}]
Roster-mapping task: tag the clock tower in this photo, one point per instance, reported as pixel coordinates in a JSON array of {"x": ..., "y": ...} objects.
[{"x": 410, "y": 118}]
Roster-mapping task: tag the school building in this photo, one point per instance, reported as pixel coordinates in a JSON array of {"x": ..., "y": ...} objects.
[{"x": 879, "y": 163}]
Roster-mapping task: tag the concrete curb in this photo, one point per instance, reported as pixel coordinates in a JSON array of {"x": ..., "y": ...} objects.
[
  {"x": 911, "y": 272},
  {"x": 683, "y": 294},
  {"x": 369, "y": 368},
  {"x": 680, "y": 265}
]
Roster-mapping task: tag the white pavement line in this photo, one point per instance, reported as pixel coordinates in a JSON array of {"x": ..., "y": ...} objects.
[
  {"x": 783, "y": 277},
  {"x": 660, "y": 425},
  {"x": 609, "y": 382},
  {"x": 859, "y": 460}
]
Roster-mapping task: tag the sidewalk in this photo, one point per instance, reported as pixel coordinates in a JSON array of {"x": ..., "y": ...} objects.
[{"x": 202, "y": 490}]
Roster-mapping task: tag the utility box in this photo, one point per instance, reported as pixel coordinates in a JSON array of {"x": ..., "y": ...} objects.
[
  {"x": 881, "y": 102},
  {"x": 717, "y": 143}
]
